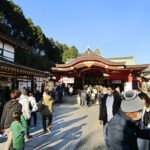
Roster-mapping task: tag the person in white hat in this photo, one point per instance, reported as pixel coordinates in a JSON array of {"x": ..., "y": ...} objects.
[{"x": 124, "y": 128}]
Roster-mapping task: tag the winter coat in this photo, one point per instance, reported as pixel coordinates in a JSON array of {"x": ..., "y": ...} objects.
[
  {"x": 24, "y": 101},
  {"x": 122, "y": 132},
  {"x": 7, "y": 115},
  {"x": 103, "y": 109},
  {"x": 17, "y": 129},
  {"x": 83, "y": 96},
  {"x": 46, "y": 107},
  {"x": 33, "y": 104}
]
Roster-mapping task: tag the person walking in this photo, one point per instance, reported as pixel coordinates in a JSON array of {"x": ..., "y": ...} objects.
[
  {"x": 24, "y": 101},
  {"x": 18, "y": 126},
  {"x": 109, "y": 105},
  {"x": 124, "y": 128},
  {"x": 34, "y": 109},
  {"x": 7, "y": 115},
  {"x": 46, "y": 110}
]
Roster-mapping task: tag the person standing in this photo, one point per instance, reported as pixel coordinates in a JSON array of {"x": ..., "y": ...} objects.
[
  {"x": 7, "y": 116},
  {"x": 109, "y": 105},
  {"x": 146, "y": 110},
  {"x": 60, "y": 93},
  {"x": 71, "y": 90},
  {"x": 34, "y": 108},
  {"x": 24, "y": 101},
  {"x": 18, "y": 126},
  {"x": 125, "y": 127},
  {"x": 145, "y": 144},
  {"x": 83, "y": 98},
  {"x": 46, "y": 110}
]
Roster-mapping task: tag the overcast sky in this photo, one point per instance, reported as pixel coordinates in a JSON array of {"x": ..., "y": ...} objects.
[{"x": 117, "y": 27}]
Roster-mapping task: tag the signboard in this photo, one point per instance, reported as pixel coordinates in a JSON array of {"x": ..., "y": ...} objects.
[
  {"x": 116, "y": 81},
  {"x": 22, "y": 85},
  {"x": 68, "y": 80},
  {"x": 128, "y": 86}
]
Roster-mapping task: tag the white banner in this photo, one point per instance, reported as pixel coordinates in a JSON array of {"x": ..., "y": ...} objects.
[{"x": 68, "y": 80}]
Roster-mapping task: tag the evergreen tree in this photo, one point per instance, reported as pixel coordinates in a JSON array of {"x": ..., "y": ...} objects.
[{"x": 44, "y": 51}]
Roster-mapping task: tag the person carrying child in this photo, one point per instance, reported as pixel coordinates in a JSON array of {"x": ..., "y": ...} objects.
[{"x": 18, "y": 126}]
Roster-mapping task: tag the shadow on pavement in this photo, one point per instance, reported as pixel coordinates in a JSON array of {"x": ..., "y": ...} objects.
[
  {"x": 63, "y": 139},
  {"x": 67, "y": 123}
]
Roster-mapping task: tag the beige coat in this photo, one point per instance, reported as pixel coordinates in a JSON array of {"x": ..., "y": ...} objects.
[{"x": 46, "y": 107}]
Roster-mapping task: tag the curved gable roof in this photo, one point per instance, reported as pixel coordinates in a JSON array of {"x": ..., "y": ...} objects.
[{"x": 90, "y": 57}]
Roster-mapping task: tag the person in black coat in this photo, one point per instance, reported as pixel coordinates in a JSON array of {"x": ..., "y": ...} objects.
[
  {"x": 7, "y": 115},
  {"x": 108, "y": 105},
  {"x": 124, "y": 128},
  {"x": 146, "y": 100},
  {"x": 143, "y": 145}
]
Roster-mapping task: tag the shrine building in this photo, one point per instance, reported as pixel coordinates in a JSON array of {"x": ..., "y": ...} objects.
[{"x": 93, "y": 69}]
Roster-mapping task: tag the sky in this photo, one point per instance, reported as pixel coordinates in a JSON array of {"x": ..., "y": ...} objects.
[{"x": 118, "y": 28}]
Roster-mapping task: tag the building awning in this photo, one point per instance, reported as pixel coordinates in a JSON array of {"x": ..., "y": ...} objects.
[{"x": 13, "y": 67}]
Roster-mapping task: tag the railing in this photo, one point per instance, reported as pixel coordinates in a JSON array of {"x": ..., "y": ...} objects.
[{"x": 6, "y": 57}]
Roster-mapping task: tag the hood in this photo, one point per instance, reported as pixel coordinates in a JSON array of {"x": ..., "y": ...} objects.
[
  {"x": 23, "y": 97},
  {"x": 12, "y": 103},
  {"x": 46, "y": 98}
]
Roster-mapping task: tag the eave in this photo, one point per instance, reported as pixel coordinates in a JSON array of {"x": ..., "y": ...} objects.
[
  {"x": 8, "y": 66},
  {"x": 13, "y": 42}
]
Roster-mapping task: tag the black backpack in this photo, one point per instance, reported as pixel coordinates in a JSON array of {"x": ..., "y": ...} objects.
[{"x": 30, "y": 106}]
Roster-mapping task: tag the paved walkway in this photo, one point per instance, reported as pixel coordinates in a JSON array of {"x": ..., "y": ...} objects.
[{"x": 73, "y": 127}]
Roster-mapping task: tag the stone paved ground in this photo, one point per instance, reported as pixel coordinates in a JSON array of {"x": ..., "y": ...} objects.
[
  {"x": 73, "y": 126},
  {"x": 93, "y": 138}
]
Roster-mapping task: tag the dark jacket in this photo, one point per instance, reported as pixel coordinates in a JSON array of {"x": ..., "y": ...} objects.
[
  {"x": 7, "y": 115},
  {"x": 103, "y": 109},
  {"x": 122, "y": 133},
  {"x": 146, "y": 118}
]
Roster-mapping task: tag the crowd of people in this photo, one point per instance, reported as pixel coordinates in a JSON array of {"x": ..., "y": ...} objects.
[
  {"x": 17, "y": 114},
  {"x": 125, "y": 118},
  {"x": 90, "y": 95}
]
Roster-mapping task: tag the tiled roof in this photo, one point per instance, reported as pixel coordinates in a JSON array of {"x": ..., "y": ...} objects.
[
  {"x": 116, "y": 58},
  {"x": 14, "y": 42},
  {"x": 8, "y": 63}
]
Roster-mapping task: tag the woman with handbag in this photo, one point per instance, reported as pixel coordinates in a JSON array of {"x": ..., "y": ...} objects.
[
  {"x": 46, "y": 110},
  {"x": 145, "y": 144}
]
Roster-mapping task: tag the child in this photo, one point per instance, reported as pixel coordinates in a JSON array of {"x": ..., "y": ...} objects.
[{"x": 18, "y": 126}]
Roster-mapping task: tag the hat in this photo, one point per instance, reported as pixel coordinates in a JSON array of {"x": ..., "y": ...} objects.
[{"x": 132, "y": 102}]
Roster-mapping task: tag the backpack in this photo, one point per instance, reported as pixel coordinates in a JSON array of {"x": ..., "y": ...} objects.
[{"x": 30, "y": 106}]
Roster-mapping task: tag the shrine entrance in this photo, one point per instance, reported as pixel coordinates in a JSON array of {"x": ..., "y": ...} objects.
[{"x": 91, "y": 77}]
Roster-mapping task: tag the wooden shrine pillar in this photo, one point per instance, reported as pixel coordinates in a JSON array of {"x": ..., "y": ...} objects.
[
  {"x": 140, "y": 82},
  {"x": 14, "y": 82},
  {"x": 83, "y": 82},
  {"x": 33, "y": 84}
]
